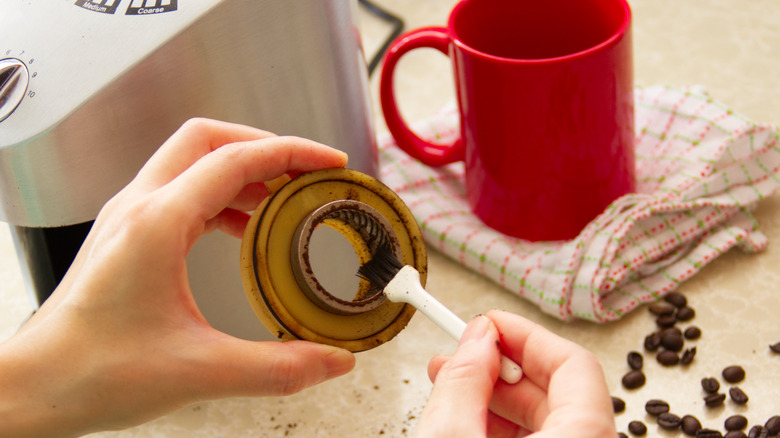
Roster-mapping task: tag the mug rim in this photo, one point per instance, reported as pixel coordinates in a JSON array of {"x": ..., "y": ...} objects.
[{"x": 613, "y": 39}]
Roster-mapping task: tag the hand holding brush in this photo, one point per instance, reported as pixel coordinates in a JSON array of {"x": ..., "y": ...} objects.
[{"x": 401, "y": 283}]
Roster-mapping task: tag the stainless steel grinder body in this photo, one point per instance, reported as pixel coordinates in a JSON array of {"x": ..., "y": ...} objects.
[{"x": 90, "y": 88}]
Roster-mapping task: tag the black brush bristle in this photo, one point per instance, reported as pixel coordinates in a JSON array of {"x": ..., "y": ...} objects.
[{"x": 381, "y": 269}]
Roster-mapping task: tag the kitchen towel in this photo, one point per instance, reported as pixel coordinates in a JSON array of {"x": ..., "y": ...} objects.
[{"x": 701, "y": 168}]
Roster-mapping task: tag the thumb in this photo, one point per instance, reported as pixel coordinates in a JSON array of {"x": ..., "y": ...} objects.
[
  {"x": 245, "y": 368},
  {"x": 458, "y": 405}
]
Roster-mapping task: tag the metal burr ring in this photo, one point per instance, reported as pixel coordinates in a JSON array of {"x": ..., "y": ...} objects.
[
  {"x": 365, "y": 229},
  {"x": 278, "y": 277}
]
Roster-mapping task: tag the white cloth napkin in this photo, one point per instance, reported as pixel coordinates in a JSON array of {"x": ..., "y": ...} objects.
[{"x": 701, "y": 168}]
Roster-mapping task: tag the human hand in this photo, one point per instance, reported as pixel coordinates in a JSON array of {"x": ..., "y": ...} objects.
[
  {"x": 121, "y": 340},
  {"x": 563, "y": 391}
]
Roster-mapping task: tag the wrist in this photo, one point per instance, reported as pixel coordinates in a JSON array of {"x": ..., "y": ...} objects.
[{"x": 39, "y": 391}]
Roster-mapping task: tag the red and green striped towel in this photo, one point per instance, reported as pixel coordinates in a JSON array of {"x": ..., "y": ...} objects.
[{"x": 701, "y": 168}]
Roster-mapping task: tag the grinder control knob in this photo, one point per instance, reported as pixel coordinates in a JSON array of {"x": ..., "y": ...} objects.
[{"x": 14, "y": 78}]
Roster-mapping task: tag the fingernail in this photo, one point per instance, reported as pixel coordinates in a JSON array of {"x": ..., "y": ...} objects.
[
  {"x": 339, "y": 362},
  {"x": 476, "y": 329}
]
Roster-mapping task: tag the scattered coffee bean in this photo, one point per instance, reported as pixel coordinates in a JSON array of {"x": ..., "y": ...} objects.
[
  {"x": 618, "y": 405},
  {"x": 713, "y": 400},
  {"x": 667, "y": 358},
  {"x": 661, "y": 309},
  {"x": 685, "y": 313},
  {"x": 775, "y": 347},
  {"x": 656, "y": 407},
  {"x": 710, "y": 385},
  {"x": 690, "y": 425},
  {"x": 669, "y": 421},
  {"x": 758, "y": 431},
  {"x": 735, "y": 434},
  {"x": 773, "y": 425},
  {"x": 653, "y": 341},
  {"x": 676, "y": 299},
  {"x": 635, "y": 360},
  {"x": 622, "y": 435},
  {"x": 733, "y": 374},
  {"x": 666, "y": 321},
  {"x": 708, "y": 433},
  {"x": 671, "y": 330},
  {"x": 672, "y": 341},
  {"x": 692, "y": 332},
  {"x": 735, "y": 422},
  {"x": 633, "y": 379},
  {"x": 688, "y": 355},
  {"x": 637, "y": 428},
  {"x": 737, "y": 395}
]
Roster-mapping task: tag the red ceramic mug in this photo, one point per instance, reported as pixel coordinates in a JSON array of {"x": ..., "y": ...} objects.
[{"x": 545, "y": 92}]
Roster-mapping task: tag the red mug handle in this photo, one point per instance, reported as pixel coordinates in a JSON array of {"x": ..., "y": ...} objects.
[{"x": 432, "y": 154}]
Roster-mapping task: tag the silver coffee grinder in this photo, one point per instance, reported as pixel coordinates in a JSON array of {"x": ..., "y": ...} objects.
[{"x": 90, "y": 88}]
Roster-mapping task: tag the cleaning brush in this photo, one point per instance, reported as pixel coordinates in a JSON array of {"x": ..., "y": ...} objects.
[{"x": 402, "y": 284}]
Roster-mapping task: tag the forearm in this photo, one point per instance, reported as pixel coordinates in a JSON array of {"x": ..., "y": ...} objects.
[{"x": 40, "y": 392}]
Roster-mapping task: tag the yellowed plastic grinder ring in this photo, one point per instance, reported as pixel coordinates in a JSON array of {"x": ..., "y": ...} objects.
[{"x": 278, "y": 279}]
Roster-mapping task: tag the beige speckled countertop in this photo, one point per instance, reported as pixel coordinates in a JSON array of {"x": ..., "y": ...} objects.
[{"x": 730, "y": 46}]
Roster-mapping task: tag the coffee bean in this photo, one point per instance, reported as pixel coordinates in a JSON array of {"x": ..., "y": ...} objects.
[
  {"x": 635, "y": 360},
  {"x": 710, "y": 385},
  {"x": 688, "y": 355},
  {"x": 671, "y": 330},
  {"x": 661, "y": 309},
  {"x": 773, "y": 425},
  {"x": 667, "y": 358},
  {"x": 714, "y": 399},
  {"x": 775, "y": 347},
  {"x": 685, "y": 313},
  {"x": 622, "y": 435},
  {"x": 652, "y": 341},
  {"x": 676, "y": 299},
  {"x": 735, "y": 422},
  {"x": 669, "y": 421},
  {"x": 708, "y": 433},
  {"x": 665, "y": 321},
  {"x": 692, "y": 332},
  {"x": 672, "y": 341},
  {"x": 618, "y": 405},
  {"x": 735, "y": 434},
  {"x": 633, "y": 379},
  {"x": 733, "y": 374},
  {"x": 656, "y": 407},
  {"x": 738, "y": 396},
  {"x": 690, "y": 425},
  {"x": 637, "y": 428},
  {"x": 758, "y": 431}
]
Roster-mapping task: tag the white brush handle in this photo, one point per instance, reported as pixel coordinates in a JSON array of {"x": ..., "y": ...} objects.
[{"x": 405, "y": 287}]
